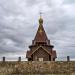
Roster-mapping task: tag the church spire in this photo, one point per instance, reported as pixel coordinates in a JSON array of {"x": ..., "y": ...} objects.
[{"x": 41, "y": 36}]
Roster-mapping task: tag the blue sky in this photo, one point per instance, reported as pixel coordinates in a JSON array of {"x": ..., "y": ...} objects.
[{"x": 19, "y": 23}]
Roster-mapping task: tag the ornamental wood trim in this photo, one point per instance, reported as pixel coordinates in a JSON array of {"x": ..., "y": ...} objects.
[{"x": 43, "y": 49}]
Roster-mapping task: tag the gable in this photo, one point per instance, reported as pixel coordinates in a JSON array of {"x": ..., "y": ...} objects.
[
  {"x": 42, "y": 49},
  {"x": 40, "y": 53}
]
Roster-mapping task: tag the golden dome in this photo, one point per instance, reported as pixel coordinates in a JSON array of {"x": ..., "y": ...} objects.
[{"x": 40, "y": 21}]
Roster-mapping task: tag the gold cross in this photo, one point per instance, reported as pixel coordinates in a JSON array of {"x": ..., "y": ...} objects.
[{"x": 40, "y": 14}]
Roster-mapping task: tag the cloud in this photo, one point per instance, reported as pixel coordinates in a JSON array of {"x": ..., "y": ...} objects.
[
  {"x": 69, "y": 1},
  {"x": 19, "y": 23}
]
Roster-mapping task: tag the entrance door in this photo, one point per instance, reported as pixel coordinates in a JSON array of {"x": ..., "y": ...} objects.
[{"x": 40, "y": 59}]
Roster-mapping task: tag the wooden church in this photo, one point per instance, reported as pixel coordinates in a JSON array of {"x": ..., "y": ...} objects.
[{"x": 41, "y": 49}]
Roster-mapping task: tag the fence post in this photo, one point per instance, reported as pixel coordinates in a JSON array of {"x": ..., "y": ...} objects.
[
  {"x": 68, "y": 58},
  {"x": 19, "y": 59},
  {"x": 3, "y": 59}
]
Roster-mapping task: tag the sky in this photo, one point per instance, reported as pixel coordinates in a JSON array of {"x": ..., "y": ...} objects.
[{"x": 19, "y": 24}]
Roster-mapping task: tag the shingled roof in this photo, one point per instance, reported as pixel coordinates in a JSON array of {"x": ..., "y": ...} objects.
[{"x": 41, "y": 34}]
